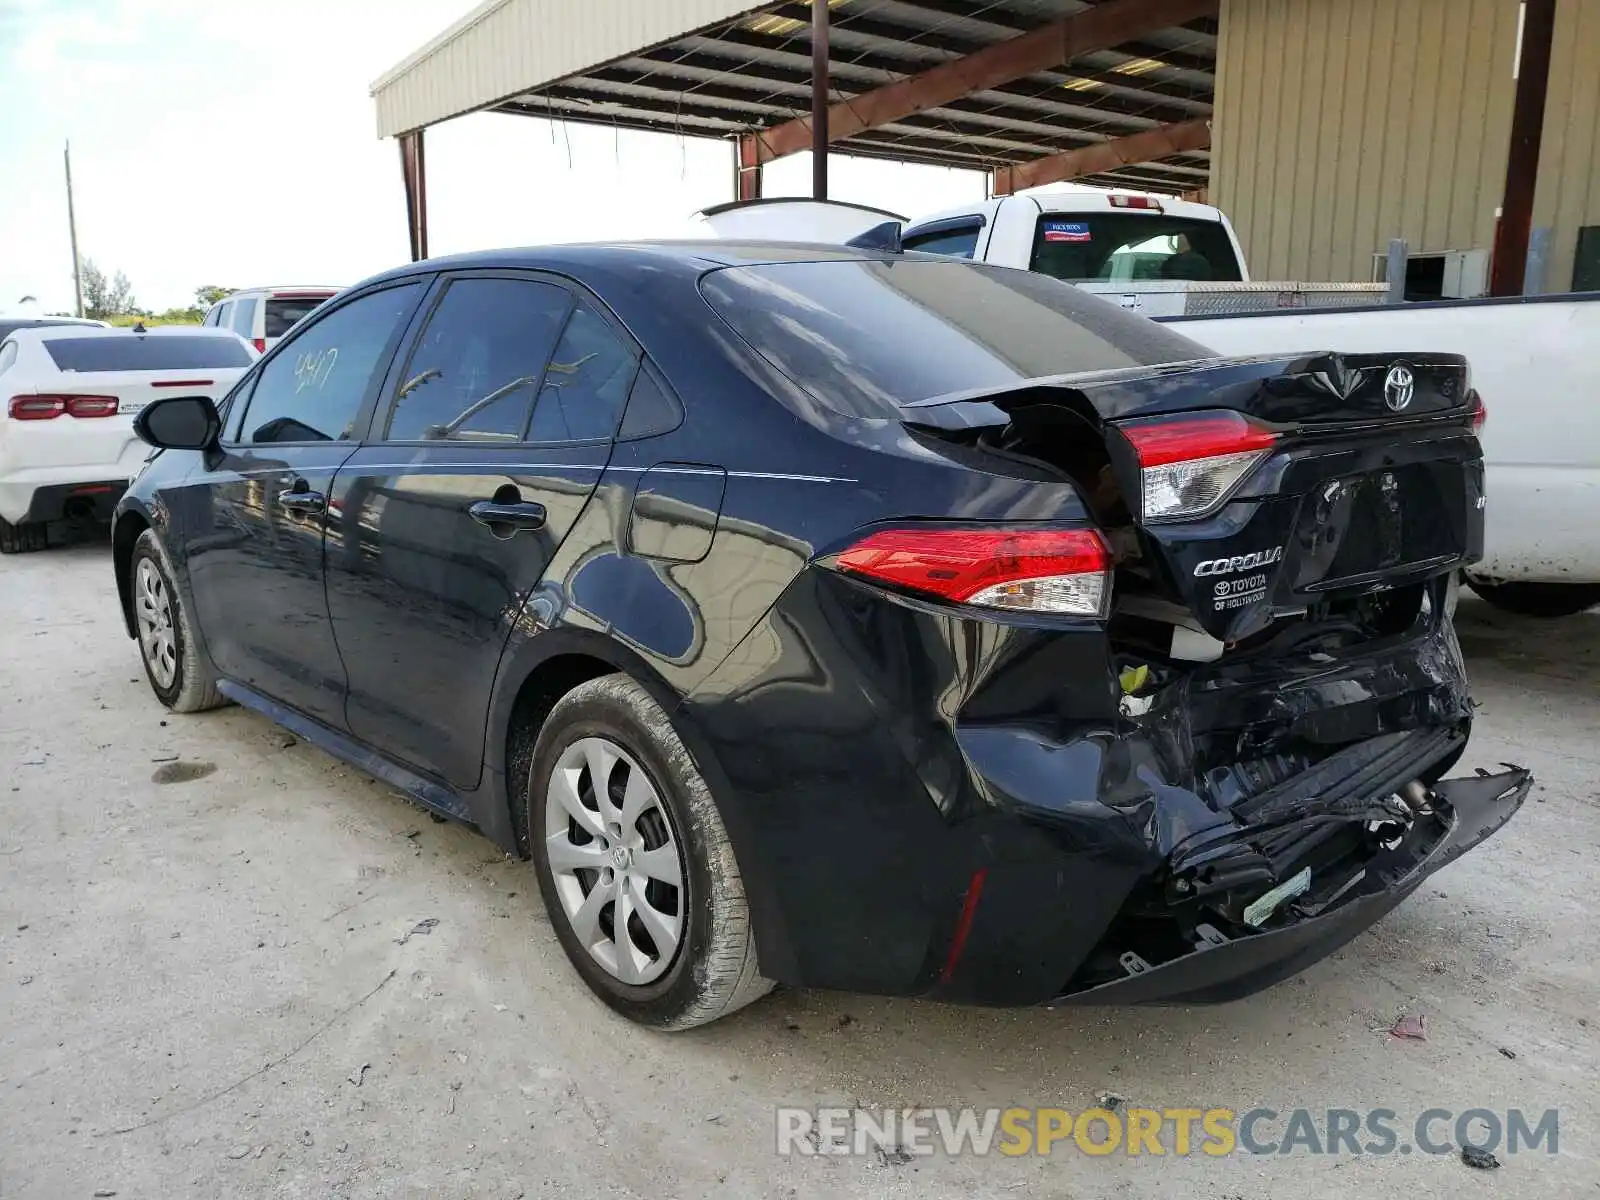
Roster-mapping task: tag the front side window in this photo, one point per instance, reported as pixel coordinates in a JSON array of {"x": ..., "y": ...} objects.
[
  {"x": 587, "y": 384},
  {"x": 1132, "y": 247},
  {"x": 312, "y": 390},
  {"x": 476, "y": 368}
]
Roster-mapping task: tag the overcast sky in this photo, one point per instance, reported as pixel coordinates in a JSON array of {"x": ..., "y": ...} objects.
[{"x": 233, "y": 142}]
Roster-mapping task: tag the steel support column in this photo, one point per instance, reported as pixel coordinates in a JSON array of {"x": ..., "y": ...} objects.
[
  {"x": 1511, "y": 235},
  {"x": 414, "y": 171},
  {"x": 746, "y": 168},
  {"x": 819, "y": 99}
]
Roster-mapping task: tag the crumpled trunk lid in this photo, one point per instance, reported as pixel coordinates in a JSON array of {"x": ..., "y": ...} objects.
[{"x": 1364, "y": 473}]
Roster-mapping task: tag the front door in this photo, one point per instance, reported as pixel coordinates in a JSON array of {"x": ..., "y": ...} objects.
[
  {"x": 251, "y": 525},
  {"x": 497, "y": 425}
]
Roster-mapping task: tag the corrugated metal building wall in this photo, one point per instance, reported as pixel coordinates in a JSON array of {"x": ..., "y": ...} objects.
[{"x": 1342, "y": 123}]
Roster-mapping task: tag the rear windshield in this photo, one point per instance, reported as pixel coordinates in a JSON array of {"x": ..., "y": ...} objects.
[
  {"x": 282, "y": 314},
  {"x": 865, "y": 336},
  {"x": 134, "y": 353},
  {"x": 1132, "y": 247}
]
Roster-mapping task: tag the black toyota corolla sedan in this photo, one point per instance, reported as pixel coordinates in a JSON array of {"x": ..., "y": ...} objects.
[{"x": 848, "y": 619}]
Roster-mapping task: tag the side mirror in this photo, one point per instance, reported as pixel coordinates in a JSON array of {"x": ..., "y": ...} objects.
[{"x": 179, "y": 423}]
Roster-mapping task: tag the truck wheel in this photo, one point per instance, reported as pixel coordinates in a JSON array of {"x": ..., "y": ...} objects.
[
  {"x": 177, "y": 672},
  {"x": 24, "y": 538},
  {"x": 636, "y": 869},
  {"x": 1539, "y": 599}
]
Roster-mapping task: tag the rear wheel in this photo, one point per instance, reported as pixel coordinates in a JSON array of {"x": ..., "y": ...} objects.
[
  {"x": 177, "y": 672},
  {"x": 1539, "y": 599},
  {"x": 636, "y": 869},
  {"x": 24, "y": 538}
]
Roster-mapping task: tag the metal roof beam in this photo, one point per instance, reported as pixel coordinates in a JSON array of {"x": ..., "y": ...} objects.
[
  {"x": 1055, "y": 44},
  {"x": 1143, "y": 147}
]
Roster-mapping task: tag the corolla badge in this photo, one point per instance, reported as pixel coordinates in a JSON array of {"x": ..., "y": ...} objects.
[{"x": 1399, "y": 386}]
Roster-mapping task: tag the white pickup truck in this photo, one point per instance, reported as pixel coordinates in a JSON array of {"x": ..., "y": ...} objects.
[{"x": 1535, "y": 360}]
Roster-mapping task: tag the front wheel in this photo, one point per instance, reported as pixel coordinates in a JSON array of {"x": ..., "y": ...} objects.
[
  {"x": 177, "y": 671},
  {"x": 634, "y": 863},
  {"x": 1539, "y": 599}
]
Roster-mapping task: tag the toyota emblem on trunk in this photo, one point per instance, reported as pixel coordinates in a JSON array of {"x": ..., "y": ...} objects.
[{"x": 1398, "y": 388}]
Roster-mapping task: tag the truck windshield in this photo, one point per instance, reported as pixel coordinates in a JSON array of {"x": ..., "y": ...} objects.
[
  {"x": 868, "y": 335},
  {"x": 1132, "y": 247}
]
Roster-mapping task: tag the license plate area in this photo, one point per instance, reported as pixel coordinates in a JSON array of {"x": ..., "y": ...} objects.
[{"x": 1353, "y": 530}]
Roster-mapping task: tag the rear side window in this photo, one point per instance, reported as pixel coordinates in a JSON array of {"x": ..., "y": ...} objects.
[
  {"x": 867, "y": 336},
  {"x": 284, "y": 312},
  {"x": 244, "y": 317},
  {"x": 477, "y": 366},
  {"x": 8, "y": 355},
  {"x": 587, "y": 383},
  {"x": 153, "y": 352},
  {"x": 1132, "y": 247},
  {"x": 958, "y": 241},
  {"x": 312, "y": 390}
]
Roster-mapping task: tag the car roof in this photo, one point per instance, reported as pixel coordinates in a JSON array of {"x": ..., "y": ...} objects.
[
  {"x": 292, "y": 288},
  {"x": 689, "y": 258}
]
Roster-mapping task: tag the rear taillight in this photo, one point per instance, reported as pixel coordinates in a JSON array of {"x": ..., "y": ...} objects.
[
  {"x": 1479, "y": 414},
  {"x": 43, "y": 407},
  {"x": 1191, "y": 463},
  {"x": 1028, "y": 570},
  {"x": 260, "y": 344}
]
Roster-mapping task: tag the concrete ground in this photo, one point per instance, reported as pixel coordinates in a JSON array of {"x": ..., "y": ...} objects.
[{"x": 207, "y": 988}]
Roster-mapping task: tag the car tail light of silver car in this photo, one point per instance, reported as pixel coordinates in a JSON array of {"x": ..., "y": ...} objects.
[
  {"x": 44, "y": 407},
  {"x": 1191, "y": 463},
  {"x": 1066, "y": 571}
]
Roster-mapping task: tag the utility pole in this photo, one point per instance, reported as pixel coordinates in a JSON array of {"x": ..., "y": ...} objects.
[{"x": 72, "y": 227}]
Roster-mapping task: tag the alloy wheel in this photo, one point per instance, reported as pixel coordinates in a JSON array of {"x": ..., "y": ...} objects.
[
  {"x": 616, "y": 863},
  {"x": 157, "y": 639}
]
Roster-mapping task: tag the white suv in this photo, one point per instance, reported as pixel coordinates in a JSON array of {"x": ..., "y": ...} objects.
[{"x": 261, "y": 316}]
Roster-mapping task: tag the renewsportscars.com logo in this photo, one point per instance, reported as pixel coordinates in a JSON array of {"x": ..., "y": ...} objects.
[{"x": 1159, "y": 1131}]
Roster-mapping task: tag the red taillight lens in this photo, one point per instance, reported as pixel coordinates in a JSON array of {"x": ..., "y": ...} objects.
[
  {"x": 260, "y": 344},
  {"x": 91, "y": 406},
  {"x": 35, "y": 408},
  {"x": 1032, "y": 570},
  {"x": 1189, "y": 464},
  {"x": 43, "y": 407},
  {"x": 1479, "y": 412},
  {"x": 1144, "y": 202}
]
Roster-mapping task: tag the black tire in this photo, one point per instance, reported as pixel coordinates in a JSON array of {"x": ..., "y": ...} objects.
[
  {"x": 24, "y": 538},
  {"x": 713, "y": 971},
  {"x": 1539, "y": 599},
  {"x": 192, "y": 687}
]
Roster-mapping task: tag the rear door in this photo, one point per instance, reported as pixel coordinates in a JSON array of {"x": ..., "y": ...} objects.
[
  {"x": 250, "y": 524},
  {"x": 495, "y": 427}
]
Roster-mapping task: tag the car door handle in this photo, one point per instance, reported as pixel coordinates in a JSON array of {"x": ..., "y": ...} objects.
[
  {"x": 303, "y": 502},
  {"x": 519, "y": 515}
]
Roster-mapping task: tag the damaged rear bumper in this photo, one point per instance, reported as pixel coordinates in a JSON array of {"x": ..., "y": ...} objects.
[{"x": 1218, "y": 968}]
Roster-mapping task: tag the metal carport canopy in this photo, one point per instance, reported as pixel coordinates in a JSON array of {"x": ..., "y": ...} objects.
[{"x": 1114, "y": 92}]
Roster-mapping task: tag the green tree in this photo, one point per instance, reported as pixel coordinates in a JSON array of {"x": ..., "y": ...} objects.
[
  {"x": 208, "y": 295},
  {"x": 104, "y": 298}
]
